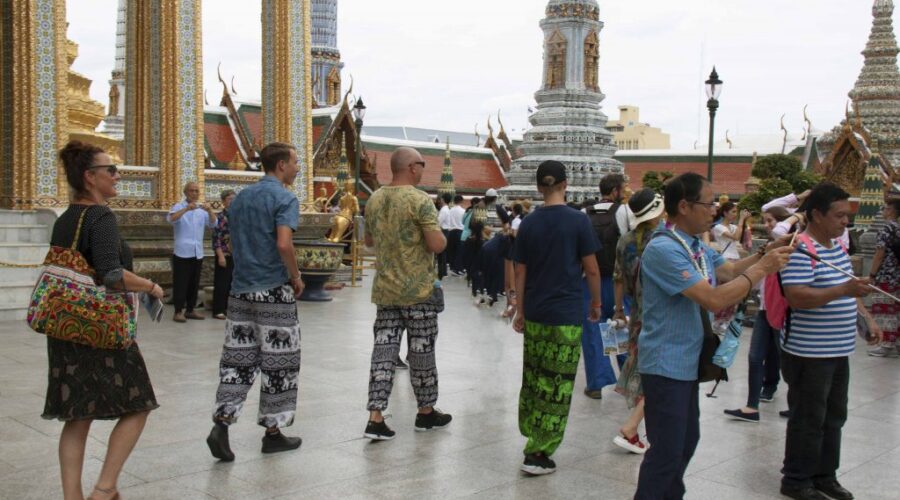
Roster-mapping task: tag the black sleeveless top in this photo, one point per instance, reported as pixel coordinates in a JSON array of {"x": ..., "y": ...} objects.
[{"x": 100, "y": 243}]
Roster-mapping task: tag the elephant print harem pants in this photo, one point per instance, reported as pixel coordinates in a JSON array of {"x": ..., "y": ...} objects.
[
  {"x": 421, "y": 324},
  {"x": 262, "y": 334},
  {"x": 548, "y": 374}
]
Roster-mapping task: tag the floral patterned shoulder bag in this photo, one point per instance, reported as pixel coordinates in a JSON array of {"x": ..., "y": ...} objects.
[{"x": 67, "y": 304}]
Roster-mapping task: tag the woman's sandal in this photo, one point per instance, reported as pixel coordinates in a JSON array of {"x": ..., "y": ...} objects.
[{"x": 107, "y": 494}]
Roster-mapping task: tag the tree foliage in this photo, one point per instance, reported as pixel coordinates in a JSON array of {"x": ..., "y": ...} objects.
[
  {"x": 779, "y": 175},
  {"x": 656, "y": 180}
]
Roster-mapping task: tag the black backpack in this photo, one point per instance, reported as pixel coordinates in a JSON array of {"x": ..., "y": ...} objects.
[{"x": 607, "y": 230}]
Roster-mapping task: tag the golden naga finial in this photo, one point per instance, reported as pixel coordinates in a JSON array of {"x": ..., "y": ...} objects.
[
  {"x": 477, "y": 136},
  {"x": 728, "y": 140},
  {"x": 500, "y": 122},
  {"x": 347, "y": 93},
  {"x": 205, "y": 98},
  {"x": 490, "y": 128},
  {"x": 232, "y": 86},
  {"x": 784, "y": 142},
  {"x": 806, "y": 119},
  {"x": 222, "y": 81}
]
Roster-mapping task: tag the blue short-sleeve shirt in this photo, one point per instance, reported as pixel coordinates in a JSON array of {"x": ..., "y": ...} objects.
[
  {"x": 672, "y": 332},
  {"x": 254, "y": 216}
]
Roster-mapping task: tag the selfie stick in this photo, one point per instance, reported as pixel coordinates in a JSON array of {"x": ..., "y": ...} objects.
[{"x": 845, "y": 273}]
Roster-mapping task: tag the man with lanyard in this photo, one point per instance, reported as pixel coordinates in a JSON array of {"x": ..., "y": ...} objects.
[
  {"x": 678, "y": 274},
  {"x": 819, "y": 336},
  {"x": 610, "y": 219}
]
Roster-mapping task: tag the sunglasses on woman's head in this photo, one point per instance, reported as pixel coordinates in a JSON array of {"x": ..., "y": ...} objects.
[{"x": 112, "y": 169}]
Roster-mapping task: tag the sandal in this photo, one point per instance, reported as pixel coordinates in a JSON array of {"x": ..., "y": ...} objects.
[{"x": 106, "y": 494}]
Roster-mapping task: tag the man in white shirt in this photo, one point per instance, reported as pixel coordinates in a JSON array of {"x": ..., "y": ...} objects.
[
  {"x": 454, "y": 235},
  {"x": 189, "y": 218}
]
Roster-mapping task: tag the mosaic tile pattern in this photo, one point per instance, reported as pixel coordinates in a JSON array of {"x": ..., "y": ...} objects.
[
  {"x": 155, "y": 84},
  {"x": 190, "y": 80},
  {"x": 46, "y": 101},
  {"x": 144, "y": 189},
  {"x": 268, "y": 62}
]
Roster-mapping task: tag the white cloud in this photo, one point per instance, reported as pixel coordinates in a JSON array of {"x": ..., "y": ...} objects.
[{"x": 449, "y": 64}]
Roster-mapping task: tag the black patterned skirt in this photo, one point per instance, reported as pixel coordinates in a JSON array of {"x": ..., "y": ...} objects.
[{"x": 87, "y": 383}]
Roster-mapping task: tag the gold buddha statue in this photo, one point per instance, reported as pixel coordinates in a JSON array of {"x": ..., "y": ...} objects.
[{"x": 349, "y": 208}]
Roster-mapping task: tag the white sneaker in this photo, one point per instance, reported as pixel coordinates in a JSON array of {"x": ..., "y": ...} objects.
[{"x": 884, "y": 351}]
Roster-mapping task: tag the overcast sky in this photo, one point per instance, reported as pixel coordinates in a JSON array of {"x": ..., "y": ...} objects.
[{"x": 449, "y": 65}]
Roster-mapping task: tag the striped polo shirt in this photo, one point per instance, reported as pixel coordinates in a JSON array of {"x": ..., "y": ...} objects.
[{"x": 830, "y": 330}]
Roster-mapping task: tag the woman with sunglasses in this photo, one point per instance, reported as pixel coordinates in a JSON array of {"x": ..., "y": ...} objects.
[{"x": 85, "y": 383}]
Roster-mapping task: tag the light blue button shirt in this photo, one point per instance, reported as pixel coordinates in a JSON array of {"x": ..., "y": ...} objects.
[
  {"x": 672, "y": 332},
  {"x": 189, "y": 231}
]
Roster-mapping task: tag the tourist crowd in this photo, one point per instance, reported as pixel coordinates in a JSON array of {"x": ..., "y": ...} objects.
[{"x": 677, "y": 270}]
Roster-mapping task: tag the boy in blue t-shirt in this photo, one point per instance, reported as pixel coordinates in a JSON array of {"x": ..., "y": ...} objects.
[{"x": 554, "y": 246}]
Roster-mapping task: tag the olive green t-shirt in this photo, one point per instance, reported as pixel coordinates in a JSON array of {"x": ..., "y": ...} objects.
[{"x": 396, "y": 217}]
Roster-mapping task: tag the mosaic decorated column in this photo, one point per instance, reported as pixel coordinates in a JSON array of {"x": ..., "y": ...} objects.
[
  {"x": 164, "y": 97},
  {"x": 286, "y": 84},
  {"x": 33, "y": 71}
]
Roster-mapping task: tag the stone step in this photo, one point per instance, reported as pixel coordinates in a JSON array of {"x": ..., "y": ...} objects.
[
  {"x": 24, "y": 233},
  {"x": 19, "y": 274},
  {"x": 8, "y": 314},
  {"x": 18, "y": 217},
  {"x": 16, "y": 293},
  {"x": 23, "y": 253}
]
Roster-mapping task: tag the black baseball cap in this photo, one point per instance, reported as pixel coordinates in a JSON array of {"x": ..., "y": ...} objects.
[{"x": 550, "y": 168}]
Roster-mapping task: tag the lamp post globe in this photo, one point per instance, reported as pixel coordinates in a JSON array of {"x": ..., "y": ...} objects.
[
  {"x": 713, "y": 90},
  {"x": 359, "y": 112}
]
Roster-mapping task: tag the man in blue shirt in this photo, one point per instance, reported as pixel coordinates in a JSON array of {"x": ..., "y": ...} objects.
[
  {"x": 679, "y": 276},
  {"x": 818, "y": 338},
  {"x": 554, "y": 246},
  {"x": 189, "y": 219},
  {"x": 262, "y": 333}
]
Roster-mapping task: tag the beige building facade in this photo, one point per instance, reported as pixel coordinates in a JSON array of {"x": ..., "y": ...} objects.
[{"x": 629, "y": 133}]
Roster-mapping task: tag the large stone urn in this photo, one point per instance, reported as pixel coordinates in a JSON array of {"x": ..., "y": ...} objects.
[{"x": 317, "y": 258}]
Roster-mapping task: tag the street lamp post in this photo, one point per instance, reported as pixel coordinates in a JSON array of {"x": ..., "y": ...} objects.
[
  {"x": 359, "y": 112},
  {"x": 713, "y": 90}
]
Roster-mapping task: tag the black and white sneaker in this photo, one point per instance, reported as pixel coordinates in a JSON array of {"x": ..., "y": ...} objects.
[
  {"x": 767, "y": 394},
  {"x": 432, "y": 421},
  {"x": 278, "y": 442},
  {"x": 378, "y": 431},
  {"x": 536, "y": 464}
]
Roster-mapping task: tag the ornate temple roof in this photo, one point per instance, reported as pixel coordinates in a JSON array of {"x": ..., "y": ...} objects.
[{"x": 876, "y": 95}]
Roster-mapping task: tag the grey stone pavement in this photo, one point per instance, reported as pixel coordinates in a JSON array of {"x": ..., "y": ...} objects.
[{"x": 478, "y": 455}]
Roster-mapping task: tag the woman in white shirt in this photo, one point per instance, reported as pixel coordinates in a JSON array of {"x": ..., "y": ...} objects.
[{"x": 728, "y": 235}]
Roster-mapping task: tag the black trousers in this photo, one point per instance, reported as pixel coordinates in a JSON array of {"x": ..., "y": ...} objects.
[
  {"x": 672, "y": 415},
  {"x": 442, "y": 257},
  {"x": 817, "y": 397},
  {"x": 222, "y": 285},
  {"x": 454, "y": 250},
  {"x": 185, "y": 282}
]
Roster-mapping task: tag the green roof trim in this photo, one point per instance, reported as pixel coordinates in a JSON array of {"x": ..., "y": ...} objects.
[{"x": 215, "y": 118}]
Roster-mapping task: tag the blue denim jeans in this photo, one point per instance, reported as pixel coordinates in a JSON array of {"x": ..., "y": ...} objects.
[
  {"x": 763, "y": 359},
  {"x": 598, "y": 370},
  {"x": 672, "y": 414}
]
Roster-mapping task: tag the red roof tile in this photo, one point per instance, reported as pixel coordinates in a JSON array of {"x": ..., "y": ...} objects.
[
  {"x": 728, "y": 177},
  {"x": 221, "y": 143},
  {"x": 470, "y": 171}
]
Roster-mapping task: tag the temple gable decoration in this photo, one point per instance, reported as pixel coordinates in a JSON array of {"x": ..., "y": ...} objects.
[
  {"x": 591, "y": 61},
  {"x": 556, "y": 61}
]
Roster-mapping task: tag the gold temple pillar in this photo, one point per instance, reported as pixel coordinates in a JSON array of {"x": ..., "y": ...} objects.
[
  {"x": 33, "y": 86},
  {"x": 286, "y": 85},
  {"x": 164, "y": 96}
]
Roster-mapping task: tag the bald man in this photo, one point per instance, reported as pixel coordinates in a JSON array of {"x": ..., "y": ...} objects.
[
  {"x": 189, "y": 218},
  {"x": 401, "y": 223}
]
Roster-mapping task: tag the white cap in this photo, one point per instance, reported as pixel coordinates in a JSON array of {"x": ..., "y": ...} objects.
[{"x": 491, "y": 192}]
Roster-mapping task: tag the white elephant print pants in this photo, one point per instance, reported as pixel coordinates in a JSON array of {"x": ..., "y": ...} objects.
[{"x": 262, "y": 335}]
